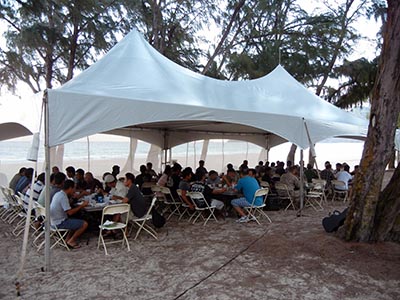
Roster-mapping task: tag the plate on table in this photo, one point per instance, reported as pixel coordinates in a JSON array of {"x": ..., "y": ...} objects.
[{"x": 115, "y": 201}]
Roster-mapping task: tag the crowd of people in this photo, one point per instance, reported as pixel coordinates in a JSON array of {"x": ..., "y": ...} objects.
[{"x": 69, "y": 188}]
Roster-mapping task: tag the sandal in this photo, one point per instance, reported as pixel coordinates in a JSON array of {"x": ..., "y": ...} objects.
[{"x": 77, "y": 246}]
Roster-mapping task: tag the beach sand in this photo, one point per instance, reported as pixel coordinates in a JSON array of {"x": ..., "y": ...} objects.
[{"x": 291, "y": 258}]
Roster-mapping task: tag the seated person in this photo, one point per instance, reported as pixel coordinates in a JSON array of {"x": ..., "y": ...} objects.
[
  {"x": 134, "y": 196},
  {"x": 248, "y": 186},
  {"x": 117, "y": 188},
  {"x": 60, "y": 212},
  {"x": 292, "y": 181},
  {"x": 80, "y": 184},
  {"x": 344, "y": 176},
  {"x": 201, "y": 187},
  {"x": 230, "y": 178},
  {"x": 142, "y": 178},
  {"x": 92, "y": 183},
  {"x": 310, "y": 173},
  {"x": 213, "y": 178},
  {"x": 184, "y": 186}
]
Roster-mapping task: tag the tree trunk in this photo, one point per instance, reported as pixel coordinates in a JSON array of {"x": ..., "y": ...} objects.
[
  {"x": 291, "y": 153},
  {"x": 392, "y": 159},
  {"x": 371, "y": 217}
]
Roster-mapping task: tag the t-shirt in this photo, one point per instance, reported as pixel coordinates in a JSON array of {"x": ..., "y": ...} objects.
[
  {"x": 345, "y": 177},
  {"x": 119, "y": 190},
  {"x": 58, "y": 208},
  {"x": 249, "y": 185},
  {"x": 184, "y": 185},
  {"x": 14, "y": 181},
  {"x": 42, "y": 197},
  {"x": 200, "y": 187},
  {"x": 23, "y": 182},
  {"x": 136, "y": 200},
  {"x": 37, "y": 189}
]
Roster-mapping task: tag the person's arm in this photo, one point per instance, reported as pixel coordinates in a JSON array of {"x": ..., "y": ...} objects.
[
  {"x": 186, "y": 199},
  {"x": 74, "y": 210}
]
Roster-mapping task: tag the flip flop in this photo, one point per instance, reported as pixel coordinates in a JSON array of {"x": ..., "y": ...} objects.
[{"x": 77, "y": 246}]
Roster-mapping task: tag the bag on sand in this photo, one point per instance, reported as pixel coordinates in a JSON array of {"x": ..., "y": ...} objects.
[
  {"x": 334, "y": 220},
  {"x": 157, "y": 219}
]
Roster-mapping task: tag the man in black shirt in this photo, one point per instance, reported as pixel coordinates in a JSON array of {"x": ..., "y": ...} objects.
[{"x": 134, "y": 196}]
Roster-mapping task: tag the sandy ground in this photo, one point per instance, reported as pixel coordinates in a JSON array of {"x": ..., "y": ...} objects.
[{"x": 292, "y": 258}]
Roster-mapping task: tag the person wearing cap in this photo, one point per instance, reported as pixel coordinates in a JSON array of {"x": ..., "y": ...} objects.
[{"x": 118, "y": 189}]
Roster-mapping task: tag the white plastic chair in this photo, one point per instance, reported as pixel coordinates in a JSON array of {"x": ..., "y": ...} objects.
[
  {"x": 141, "y": 222},
  {"x": 112, "y": 210},
  {"x": 184, "y": 205},
  {"x": 339, "y": 192},
  {"x": 172, "y": 206},
  {"x": 284, "y": 193},
  {"x": 197, "y": 196},
  {"x": 253, "y": 209},
  {"x": 57, "y": 234}
]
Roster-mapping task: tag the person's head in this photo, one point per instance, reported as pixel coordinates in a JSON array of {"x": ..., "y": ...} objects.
[
  {"x": 105, "y": 174},
  {"x": 272, "y": 165},
  {"x": 129, "y": 179},
  {"x": 167, "y": 170},
  {"x": 252, "y": 172},
  {"x": 293, "y": 170},
  {"x": 69, "y": 187},
  {"x": 176, "y": 169},
  {"x": 22, "y": 171},
  {"x": 201, "y": 163},
  {"x": 149, "y": 166},
  {"x": 244, "y": 172},
  {"x": 328, "y": 166},
  {"x": 229, "y": 166},
  {"x": 55, "y": 170},
  {"x": 245, "y": 162},
  {"x": 41, "y": 177},
  {"x": 268, "y": 171},
  {"x": 115, "y": 169},
  {"x": 89, "y": 177},
  {"x": 29, "y": 173},
  {"x": 260, "y": 163},
  {"x": 267, "y": 163},
  {"x": 212, "y": 174},
  {"x": 231, "y": 173},
  {"x": 143, "y": 169},
  {"x": 110, "y": 180},
  {"x": 346, "y": 167},
  {"x": 70, "y": 172},
  {"x": 59, "y": 179},
  {"x": 187, "y": 174},
  {"x": 338, "y": 166},
  {"x": 309, "y": 166},
  {"x": 80, "y": 174}
]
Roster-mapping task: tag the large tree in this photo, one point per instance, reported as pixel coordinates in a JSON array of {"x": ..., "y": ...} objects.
[
  {"x": 374, "y": 214},
  {"x": 47, "y": 40}
]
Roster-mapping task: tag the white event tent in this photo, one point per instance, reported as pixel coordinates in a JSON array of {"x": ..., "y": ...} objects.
[{"x": 135, "y": 91}]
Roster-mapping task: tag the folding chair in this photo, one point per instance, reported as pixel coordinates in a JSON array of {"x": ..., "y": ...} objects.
[
  {"x": 141, "y": 222},
  {"x": 171, "y": 205},
  {"x": 284, "y": 193},
  {"x": 198, "y": 197},
  {"x": 316, "y": 196},
  {"x": 57, "y": 234},
  {"x": 184, "y": 205},
  {"x": 264, "y": 184},
  {"x": 112, "y": 210},
  {"x": 254, "y": 209},
  {"x": 319, "y": 186},
  {"x": 339, "y": 192}
]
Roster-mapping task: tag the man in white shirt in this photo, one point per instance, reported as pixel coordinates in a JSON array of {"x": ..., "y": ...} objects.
[
  {"x": 344, "y": 176},
  {"x": 60, "y": 210},
  {"x": 118, "y": 189}
]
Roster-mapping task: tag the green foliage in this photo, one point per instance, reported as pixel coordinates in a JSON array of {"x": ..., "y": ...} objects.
[{"x": 360, "y": 79}]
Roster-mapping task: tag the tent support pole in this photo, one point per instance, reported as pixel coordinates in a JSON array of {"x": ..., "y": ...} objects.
[
  {"x": 312, "y": 149},
  {"x": 47, "y": 182},
  {"x": 301, "y": 182}
]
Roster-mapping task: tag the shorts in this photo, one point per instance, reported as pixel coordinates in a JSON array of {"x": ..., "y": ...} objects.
[
  {"x": 217, "y": 203},
  {"x": 71, "y": 224},
  {"x": 240, "y": 202}
]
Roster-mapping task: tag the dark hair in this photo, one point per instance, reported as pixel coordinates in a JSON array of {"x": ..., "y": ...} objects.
[
  {"x": 346, "y": 167},
  {"x": 52, "y": 175},
  {"x": 41, "y": 177},
  {"x": 143, "y": 169},
  {"x": 212, "y": 172},
  {"x": 80, "y": 172},
  {"x": 29, "y": 172},
  {"x": 115, "y": 167},
  {"x": 70, "y": 169},
  {"x": 105, "y": 174},
  {"x": 59, "y": 178},
  {"x": 201, "y": 161},
  {"x": 245, "y": 171},
  {"x": 68, "y": 184},
  {"x": 22, "y": 170},
  {"x": 186, "y": 172},
  {"x": 167, "y": 169},
  {"x": 252, "y": 171},
  {"x": 130, "y": 176},
  {"x": 229, "y": 166},
  {"x": 149, "y": 164}
]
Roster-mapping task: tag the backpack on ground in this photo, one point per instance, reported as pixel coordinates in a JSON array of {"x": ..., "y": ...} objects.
[
  {"x": 157, "y": 219},
  {"x": 334, "y": 220}
]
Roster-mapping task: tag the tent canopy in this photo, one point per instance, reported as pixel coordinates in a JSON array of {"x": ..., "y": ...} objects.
[
  {"x": 10, "y": 130},
  {"x": 135, "y": 91}
]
